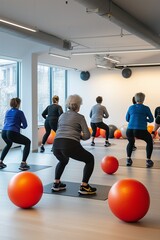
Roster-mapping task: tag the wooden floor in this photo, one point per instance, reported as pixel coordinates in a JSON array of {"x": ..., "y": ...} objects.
[{"x": 71, "y": 218}]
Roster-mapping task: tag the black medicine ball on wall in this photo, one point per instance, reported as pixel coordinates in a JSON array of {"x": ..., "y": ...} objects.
[
  {"x": 85, "y": 75},
  {"x": 126, "y": 72}
]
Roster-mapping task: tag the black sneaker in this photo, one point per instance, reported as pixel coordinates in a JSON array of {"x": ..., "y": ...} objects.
[
  {"x": 24, "y": 167},
  {"x": 129, "y": 162},
  {"x": 149, "y": 163},
  {"x": 87, "y": 190},
  {"x": 107, "y": 144},
  {"x": 92, "y": 144},
  {"x": 2, "y": 165},
  {"x": 42, "y": 149},
  {"x": 58, "y": 187},
  {"x": 134, "y": 148}
]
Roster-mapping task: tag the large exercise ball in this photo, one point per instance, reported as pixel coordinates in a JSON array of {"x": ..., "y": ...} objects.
[
  {"x": 25, "y": 189},
  {"x": 150, "y": 128},
  {"x": 117, "y": 133},
  {"x": 112, "y": 129},
  {"x": 103, "y": 133},
  {"x": 129, "y": 200},
  {"x": 123, "y": 131},
  {"x": 51, "y": 137},
  {"x": 109, "y": 164}
]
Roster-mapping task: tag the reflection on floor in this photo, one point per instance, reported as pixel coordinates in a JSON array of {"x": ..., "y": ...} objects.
[{"x": 73, "y": 218}]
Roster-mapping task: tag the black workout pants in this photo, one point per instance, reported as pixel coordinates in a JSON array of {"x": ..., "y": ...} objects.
[
  {"x": 140, "y": 134},
  {"x": 11, "y": 137},
  {"x": 72, "y": 149},
  {"x": 100, "y": 125},
  {"x": 49, "y": 125}
]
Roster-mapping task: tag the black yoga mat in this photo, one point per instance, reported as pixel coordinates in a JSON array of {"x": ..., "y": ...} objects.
[
  {"x": 72, "y": 191},
  {"x": 14, "y": 167}
]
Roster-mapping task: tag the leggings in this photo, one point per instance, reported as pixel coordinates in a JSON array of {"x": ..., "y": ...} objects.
[
  {"x": 9, "y": 137},
  {"x": 140, "y": 134},
  {"x": 75, "y": 151},
  {"x": 100, "y": 125},
  {"x": 49, "y": 125}
]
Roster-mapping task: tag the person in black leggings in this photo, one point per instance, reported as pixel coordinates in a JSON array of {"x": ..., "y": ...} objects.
[
  {"x": 14, "y": 121},
  {"x": 138, "y": 115},
  {"x": 72, "y": 127},
  {"x": 51, "y": 115}
]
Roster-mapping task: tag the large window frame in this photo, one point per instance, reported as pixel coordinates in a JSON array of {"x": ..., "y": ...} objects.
[
  {"x": 10, "y": 75},
  {"x": 51, "y": 81}
]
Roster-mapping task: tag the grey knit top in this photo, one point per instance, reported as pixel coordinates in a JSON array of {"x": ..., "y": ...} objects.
[
  {"x": 98, "y": 112},
  {"x": 72, "y": 125}
]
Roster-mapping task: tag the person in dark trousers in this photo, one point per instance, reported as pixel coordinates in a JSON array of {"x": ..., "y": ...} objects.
[
  {"x": 72, "y": 128},
  {"x": 137, "y": 116},
  {"x": 13, "y": 122},
  {"x": 51, "y": 115},
  {"x": 97, "y": 113}
]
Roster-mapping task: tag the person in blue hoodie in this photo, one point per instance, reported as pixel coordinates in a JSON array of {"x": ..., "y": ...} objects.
[
  {"x": 138, "y": 115},
  {"x": 13, "y": 122}
]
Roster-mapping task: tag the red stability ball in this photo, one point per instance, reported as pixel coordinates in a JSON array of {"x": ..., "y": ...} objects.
[
  {"x": 109, "y": 164},
  {"x": 129, "y": 200},
  {"x": 25, "y": 189},
  {"x": 117, "y": 133}
]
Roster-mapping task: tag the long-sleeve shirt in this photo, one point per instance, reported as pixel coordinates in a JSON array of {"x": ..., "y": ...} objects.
[
  {"x": 72, "y": 125},
  {"x": 98, "y": 112},
  {"x": 138, "y": 115},
  {"x": 14, "y": 120},
  {"x": 52, "y": 111}
]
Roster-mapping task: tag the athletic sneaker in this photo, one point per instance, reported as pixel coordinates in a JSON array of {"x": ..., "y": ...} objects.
[
  {"x": 58, "y": 187},
  {"x": 129, "y": 162},
  {"x": 24, "y": 167},
  {"x": 87, "y": 190},
  {"x": 92, "y": 144},
  {"x": 42, "y": 149},
  {"x": 107, "y": 144},
  {"x": 149, "y": 163},
  {"x": 2, "y": 165}
]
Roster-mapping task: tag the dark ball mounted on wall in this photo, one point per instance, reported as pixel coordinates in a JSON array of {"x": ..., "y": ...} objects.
[
  {"x": 126, "y": 72},
  {"x": 84, "y": 75}
]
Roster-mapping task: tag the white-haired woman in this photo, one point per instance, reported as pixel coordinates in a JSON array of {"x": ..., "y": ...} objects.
[{"x": 72, "y": 127}]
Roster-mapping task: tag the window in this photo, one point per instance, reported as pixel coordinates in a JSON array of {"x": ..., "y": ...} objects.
[
  {"x": 51, "y": 81},
  {"x": 9, "y": 81}
]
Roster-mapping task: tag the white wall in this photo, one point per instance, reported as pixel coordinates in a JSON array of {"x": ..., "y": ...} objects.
[{"x": 117, "y": 92}]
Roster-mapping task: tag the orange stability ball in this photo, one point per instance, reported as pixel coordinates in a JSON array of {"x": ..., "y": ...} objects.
[
  {"x": 109, "y": 164},
  {"x": 117, "y": 133},
  {"x": 129, "y": 200},
  {"x": 150, "y": 128},
  {"x": 51, "y": 137},
  {"x": 25, "y": 189},
  {"x": 102, "y": 133}
]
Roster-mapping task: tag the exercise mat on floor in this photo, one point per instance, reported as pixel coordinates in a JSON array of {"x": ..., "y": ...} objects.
[
  {"x": 14, "y": 167},
  {"x": 139, "y": 163},
  {"x": 72, "y": 191}
]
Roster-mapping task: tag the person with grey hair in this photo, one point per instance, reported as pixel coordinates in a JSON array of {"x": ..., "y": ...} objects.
[
  {"x": 137, "y": 116},
  {"x": 97, "y": 113},
  {"x": 72, "y": 128}
]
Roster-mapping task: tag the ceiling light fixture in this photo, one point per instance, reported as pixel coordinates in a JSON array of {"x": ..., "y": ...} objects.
[
  {"x": 111, "y": 59},
  {"x": 138, "y": 64},
  {"x": 18, "y": 25},
  {"x": 59, "y": 56},
  {"x": 113, "y": 52},
  {"x": 101, "y": 66}
]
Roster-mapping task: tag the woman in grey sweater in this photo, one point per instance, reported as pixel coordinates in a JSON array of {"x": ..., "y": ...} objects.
[{"x": 72, "y": 128}]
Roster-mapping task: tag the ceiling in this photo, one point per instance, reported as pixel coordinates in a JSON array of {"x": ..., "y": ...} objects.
[{"x": 118, "y": 29}]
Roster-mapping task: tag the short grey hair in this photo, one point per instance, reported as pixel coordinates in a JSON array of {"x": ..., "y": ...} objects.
[
  {"x": 73, "y": 102},
  {"x": 139, "y": 97}
]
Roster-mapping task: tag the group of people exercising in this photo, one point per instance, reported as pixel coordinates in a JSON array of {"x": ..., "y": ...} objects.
[{"x": 71, "y": 127}]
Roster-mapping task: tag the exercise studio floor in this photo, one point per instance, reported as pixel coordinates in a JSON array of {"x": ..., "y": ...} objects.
[{"x": 61, "y": 217}]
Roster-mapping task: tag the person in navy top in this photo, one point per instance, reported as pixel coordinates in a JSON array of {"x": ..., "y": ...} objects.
[
  {"x": 138, "y": 116},
  {"x": 13, "y": 122}
]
